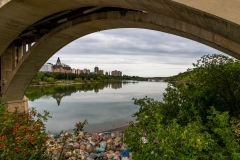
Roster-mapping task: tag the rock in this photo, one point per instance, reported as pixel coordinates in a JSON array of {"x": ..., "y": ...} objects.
[
  {"x": 88, "y": 146},
  {"x": 68, "y": 154},
  {"x": 81, "y": 134},
  {"x": 109, "y": 156},
  {"x": 82, "y": 147},
  {"x": 110, "y": 141},
  {"x": 76, "y": 145},
  {"x": 72, "y": 158},
  {"x": 76, "y": 152},
  {"x": 110, "y": 152}
]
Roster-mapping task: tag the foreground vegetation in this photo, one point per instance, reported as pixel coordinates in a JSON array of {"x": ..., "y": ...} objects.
[
  {"x": 22, "y": 136},
  {"x": 197, "y": 119}
]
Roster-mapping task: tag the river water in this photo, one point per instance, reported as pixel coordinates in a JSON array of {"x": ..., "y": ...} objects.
[{"x": 105, "y": 106}]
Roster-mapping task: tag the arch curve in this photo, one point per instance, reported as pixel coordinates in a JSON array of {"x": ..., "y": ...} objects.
[{"x": 59, "y": 37}]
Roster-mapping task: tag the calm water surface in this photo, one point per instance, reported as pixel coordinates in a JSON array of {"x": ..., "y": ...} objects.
[{"x": 105, "y": 106}]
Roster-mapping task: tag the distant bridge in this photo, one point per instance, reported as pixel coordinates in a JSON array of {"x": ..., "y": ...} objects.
[
  {"x": 32, "y": 31},
  {"x": 155, "y": 78}
]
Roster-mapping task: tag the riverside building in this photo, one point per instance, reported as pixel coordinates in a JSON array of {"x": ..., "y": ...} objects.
[{"x": 116, "y": 73}]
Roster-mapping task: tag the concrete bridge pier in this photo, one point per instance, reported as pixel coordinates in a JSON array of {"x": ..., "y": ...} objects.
[
  {"x": 8, "y": 62},
  {"x": 21, "y": 105}
]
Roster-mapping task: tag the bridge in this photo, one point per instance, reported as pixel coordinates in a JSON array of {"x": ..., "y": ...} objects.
[{"x": 32, "y": 31}]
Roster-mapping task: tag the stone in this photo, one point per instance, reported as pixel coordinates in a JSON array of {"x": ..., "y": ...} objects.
[
  {"x": 89, "y": 148},
  {"x": 109, "y": 156},
  {"x": 83, "y": 146},
  {"x": 72, "y": 158},
  {"x": 94, "y": 146},
  {"x": 68, "y": 154},
  {"x": 76, "y": 146}
]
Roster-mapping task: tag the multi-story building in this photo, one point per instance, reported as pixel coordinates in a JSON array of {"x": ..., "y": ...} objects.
[
  {"x": 96, "y": 69},
  {"x": 85, "y": 71},
  {"x": 88, "y": 71},
  {"x": 46, "y": 67},
  {"x": 78, "y": 71},
  {"x": 61, "y": 67},
  {"x": 116, "y": 73},
  {"x": 106, "y": 73},
  {"x": 100, "y": 72},
  {"x": 74, "y": 70}
]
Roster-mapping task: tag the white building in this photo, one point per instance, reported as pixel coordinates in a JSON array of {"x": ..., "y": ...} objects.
[
  {"x": 46, "y": 67},
  {"x": 78, "y": 71},
  {"x": 74, "y": 70},
  {"x": 84, "y": 70}
]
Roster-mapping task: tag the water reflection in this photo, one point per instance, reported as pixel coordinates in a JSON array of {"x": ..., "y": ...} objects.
[
  {"x": 111, "y": 107},
  {"x": 58, "y": 92}
]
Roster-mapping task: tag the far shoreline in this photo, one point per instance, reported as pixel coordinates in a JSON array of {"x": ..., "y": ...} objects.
[{"x": 70, "y": 82}]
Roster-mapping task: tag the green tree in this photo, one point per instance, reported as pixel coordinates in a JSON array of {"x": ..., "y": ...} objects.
[
  {"x": 38, "y": 77},
  {"x": 197, "y": 119}
]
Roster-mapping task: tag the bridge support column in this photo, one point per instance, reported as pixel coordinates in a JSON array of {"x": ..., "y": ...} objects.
[
  {"x": 7, "y": 65},
  {"x": 8, "y": 61},
  {"x": 22, "y": 105}
]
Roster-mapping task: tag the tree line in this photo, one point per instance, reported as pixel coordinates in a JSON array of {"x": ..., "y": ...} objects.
[{"x": 52, "y": 77}]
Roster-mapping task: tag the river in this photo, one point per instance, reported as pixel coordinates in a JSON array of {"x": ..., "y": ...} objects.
[{"x": 105, "y": 106}]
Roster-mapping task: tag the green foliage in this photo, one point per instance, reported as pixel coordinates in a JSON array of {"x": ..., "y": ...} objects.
[
  {"x": 78, "y": 80},
  {"x": 79, "y": 127},
  {"x": 51, "y": 77},
  {"x": 22, "y": 136},
  {"x": 197, "y": 119},
  {"x": 48, "y": 79},
  {"x": 38, "y": 77}
]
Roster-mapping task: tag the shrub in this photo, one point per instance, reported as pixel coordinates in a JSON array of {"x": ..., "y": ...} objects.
[
  {"x": 197, "y": 119},
  {"x": 22, "y": 136}
]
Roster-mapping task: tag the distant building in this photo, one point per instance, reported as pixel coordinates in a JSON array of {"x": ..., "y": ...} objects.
[
  {"x": 61, "y": 67},
  {"x": 46, "y": 67},
  {"x": 78, "y": 71},
  {"x": 88, "y": 71},
  {"x": 74, "y": 70},
  {"x": 100, "y": 72},
  {"x": 116, "y": 73},
  {"x": 106, "y": 73},
  {"x": 96, "y": 69},
  {"x": 84, "y": 71}
]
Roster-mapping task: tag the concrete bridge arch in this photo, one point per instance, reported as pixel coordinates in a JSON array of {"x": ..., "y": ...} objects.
[{"x": 193, "y": 20}]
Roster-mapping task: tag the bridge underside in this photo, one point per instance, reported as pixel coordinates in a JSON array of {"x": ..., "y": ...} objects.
[{"x": 51, "y": 26}]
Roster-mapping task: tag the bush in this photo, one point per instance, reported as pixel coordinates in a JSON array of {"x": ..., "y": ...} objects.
[
  {"x": 22, "y": 136},
  {"x": 198, "y": 118}
]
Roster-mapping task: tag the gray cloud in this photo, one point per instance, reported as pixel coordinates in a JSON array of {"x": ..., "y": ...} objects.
[{"x": 124, "y": 48}]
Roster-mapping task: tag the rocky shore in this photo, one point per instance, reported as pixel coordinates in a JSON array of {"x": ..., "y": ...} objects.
[{"x": 88, "y": 146}]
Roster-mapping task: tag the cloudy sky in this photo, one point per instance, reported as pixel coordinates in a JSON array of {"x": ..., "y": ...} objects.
[{"x": 137, "y": 52}]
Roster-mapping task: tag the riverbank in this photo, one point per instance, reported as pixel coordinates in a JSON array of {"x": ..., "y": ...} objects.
[
  {"x": 116, "y": 129},
  {"x": 71, "y": 82}
]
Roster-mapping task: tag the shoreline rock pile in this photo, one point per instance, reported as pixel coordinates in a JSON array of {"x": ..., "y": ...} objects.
[{"x": 88, "y": 146}]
